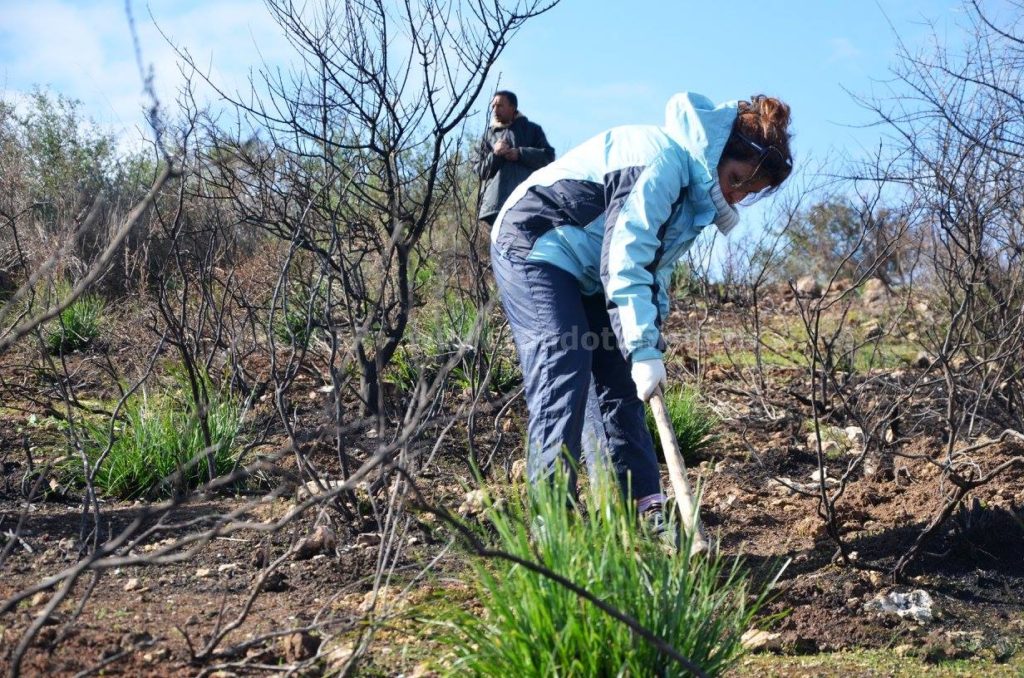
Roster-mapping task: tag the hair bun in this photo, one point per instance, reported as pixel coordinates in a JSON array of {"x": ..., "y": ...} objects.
[{"x": 773, "y": 117}]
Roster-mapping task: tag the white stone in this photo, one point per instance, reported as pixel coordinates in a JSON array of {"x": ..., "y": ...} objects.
[
  {"x": 756, "y": 639},
  {"x": 807, "y": 286},
  {"x": 915, "y": 605},
  {"x": 855, "y": 434}
]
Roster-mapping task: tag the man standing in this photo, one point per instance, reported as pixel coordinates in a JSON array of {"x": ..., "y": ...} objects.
[{"x": 512, "y": 148}]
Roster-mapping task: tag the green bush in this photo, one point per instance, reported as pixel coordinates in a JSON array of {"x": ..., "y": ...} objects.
[
  {"x": 692, "y": 421},
  {"x": 293, "y": 328},
  {"x": 77, "y": 326},
  {"x": 158, "y": 447},
  {"x": 531, "y": 625},
  {"x": 437, "y": 333},
  {"x": 295, "y": 321}
]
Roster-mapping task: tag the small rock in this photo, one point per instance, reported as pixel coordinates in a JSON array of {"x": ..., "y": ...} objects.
[
  {"x": 519, "y": 470},
  {"x": 855, "y": 434},
  {"x": 756, "y": 639},
  {"x": 275, "y": 582},
  {"x": 39, "y": 598},
  {"x": 322, "y": 539},
  {"x": 817, "y": 480},
  {"x": 158, "y": 655},
  {"x": 337, "y": 656},
  {"x": 203, "y": 572},
  {"x": 473, "y": 503},
  {"x": 368, "y": 539},
  {"x": 313, "y": 488},
  {"x": 224, "y": 567},
  {"x": 827, "y": 443},
  {"x": 808, "y": 287},
  {"x": 298, "y": 646},
  {"x": 131, "y": 584},
  {"x": 383, "y": 596}
]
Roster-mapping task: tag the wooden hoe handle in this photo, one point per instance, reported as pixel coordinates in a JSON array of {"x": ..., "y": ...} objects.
[{"x": 688, "y": 509}]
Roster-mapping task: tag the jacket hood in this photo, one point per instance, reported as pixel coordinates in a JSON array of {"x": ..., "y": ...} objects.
[{"x": 702, "y": 128}]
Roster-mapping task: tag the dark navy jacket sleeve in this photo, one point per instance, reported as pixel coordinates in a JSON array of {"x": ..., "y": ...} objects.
[{"x": 539, "y": 152}]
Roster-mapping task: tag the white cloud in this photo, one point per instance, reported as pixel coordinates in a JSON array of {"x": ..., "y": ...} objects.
[
  {"x": 84, "y": 49},
  {"x": 843, "y": 49}
]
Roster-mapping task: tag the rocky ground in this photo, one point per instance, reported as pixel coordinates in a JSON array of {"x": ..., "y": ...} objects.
[{"x": 327, "y": 573}]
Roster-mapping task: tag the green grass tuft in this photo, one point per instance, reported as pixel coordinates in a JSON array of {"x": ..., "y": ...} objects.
[
  {"x": 78, "y": 325},
  {"x": 158, "y": 447},
  {"x": 692, "y": 422},
  {"x": 437, "y": 333},
  {"x": 532, "y": 626}
]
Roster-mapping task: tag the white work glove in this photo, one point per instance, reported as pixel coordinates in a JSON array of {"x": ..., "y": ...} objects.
[{"x": 648, "y": 375}]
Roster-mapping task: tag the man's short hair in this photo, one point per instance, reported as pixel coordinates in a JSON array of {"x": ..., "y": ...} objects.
[{"x": 512, "y": 99}]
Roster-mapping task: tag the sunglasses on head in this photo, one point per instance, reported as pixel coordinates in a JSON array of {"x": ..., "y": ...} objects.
[{"x": 763, "y": 151}]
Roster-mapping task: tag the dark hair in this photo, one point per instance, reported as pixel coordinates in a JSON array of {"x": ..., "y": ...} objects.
[
  {"x": 512, "y": 99},
  {"x": 760, "y": 135}
]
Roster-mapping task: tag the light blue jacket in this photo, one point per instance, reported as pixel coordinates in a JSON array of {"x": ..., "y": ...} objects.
[{"x": 619, "y": 210}]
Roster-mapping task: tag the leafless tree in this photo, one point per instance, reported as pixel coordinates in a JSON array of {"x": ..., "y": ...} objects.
[{"x": 363, "y": 133}]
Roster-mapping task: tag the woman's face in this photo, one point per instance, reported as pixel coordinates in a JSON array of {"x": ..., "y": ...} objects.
[{"x": 734, "y": 180}]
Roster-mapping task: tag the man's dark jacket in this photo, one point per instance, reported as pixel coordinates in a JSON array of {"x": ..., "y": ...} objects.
[{"x": 500, "y": 176}]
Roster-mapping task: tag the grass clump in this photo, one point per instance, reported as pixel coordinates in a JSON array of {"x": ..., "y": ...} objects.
[
  {"x": 693, "y": 422},
  {"x": 77, "y": 325},
  {"x": 158, "y": 446},
  {"x": 299, "y": 314},
  {"x": 531, "y": 625},
  {"x": 440, "y": 332}
]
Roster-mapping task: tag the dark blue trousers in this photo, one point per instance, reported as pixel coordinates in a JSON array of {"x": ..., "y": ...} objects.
[{"x": 566, "y": 346}]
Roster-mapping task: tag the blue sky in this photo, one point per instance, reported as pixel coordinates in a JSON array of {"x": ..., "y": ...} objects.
[
  {"x": 590, "y": 65},
  {"x": 584, "y": 66}
]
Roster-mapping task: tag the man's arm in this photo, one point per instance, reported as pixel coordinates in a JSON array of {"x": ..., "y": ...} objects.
[
  {"x": 539, "y": 152},
  {"x": 485, "y": 162}
]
